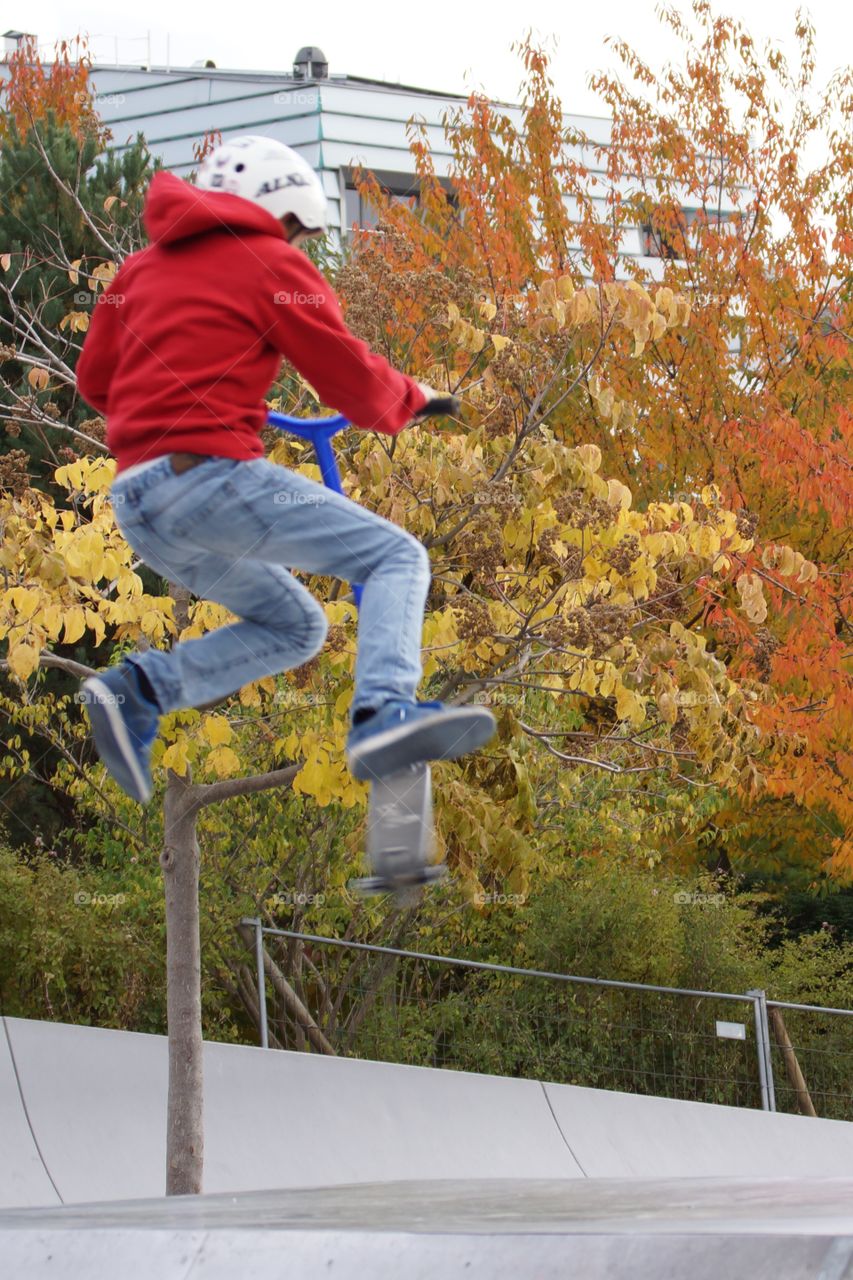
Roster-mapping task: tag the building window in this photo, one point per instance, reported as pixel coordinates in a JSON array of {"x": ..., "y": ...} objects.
[
  {"x": 363, "y": 214},
  {"x": 664, "y": 236}
]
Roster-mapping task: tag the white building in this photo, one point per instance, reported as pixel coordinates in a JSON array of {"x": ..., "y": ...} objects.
[{"x": 335, "y": 120}]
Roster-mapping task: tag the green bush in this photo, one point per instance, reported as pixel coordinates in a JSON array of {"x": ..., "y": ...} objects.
[{"x": 69, "y": 951}]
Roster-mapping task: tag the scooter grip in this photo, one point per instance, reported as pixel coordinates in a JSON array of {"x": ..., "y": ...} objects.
[{"x": 451, "y": 406}]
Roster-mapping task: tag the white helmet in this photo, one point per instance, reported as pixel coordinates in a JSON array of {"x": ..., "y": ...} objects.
[{"x": 269, "y": 174}]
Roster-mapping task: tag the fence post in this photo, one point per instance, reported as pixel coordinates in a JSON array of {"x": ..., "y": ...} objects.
[
  {"x": 262, "y": 986},
  {"x": 762, "y": 1044}
]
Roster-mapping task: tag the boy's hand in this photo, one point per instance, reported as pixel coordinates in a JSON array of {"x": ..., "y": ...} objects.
[{"x": 438, "y": 402}]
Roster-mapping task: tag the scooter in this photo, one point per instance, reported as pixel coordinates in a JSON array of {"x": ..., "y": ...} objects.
[{"x": 400, "y": 831}]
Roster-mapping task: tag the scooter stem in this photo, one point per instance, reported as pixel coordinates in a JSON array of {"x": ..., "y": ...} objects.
[{"x": 319, "y": 432}]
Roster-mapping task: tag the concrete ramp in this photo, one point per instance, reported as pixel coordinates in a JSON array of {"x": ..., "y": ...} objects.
[
  {"x": 23, "y": 1176},
  {"x": 627, "y": 1135},
  {"x": 84, "y": 1112}
]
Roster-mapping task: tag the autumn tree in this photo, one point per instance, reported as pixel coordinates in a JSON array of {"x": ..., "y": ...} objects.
[{"x": 712, "y": 160}]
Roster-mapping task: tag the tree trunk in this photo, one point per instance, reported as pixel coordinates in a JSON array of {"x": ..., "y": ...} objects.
[{"x": 180, "y": 863}]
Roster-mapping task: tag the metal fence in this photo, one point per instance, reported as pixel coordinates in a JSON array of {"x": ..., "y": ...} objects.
[{"x": 360, "y": 1000}]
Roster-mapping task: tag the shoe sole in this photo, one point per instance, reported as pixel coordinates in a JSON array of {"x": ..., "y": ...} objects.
[
  {"x": 426, "y": 739},
  {"x": 112, "y": 740}
]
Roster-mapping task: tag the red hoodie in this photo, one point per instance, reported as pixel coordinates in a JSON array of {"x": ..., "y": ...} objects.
[{"x": 186, "y": 341}]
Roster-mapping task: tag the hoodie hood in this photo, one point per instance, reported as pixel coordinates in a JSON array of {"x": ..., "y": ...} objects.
[{"x": 175, "y": 210}]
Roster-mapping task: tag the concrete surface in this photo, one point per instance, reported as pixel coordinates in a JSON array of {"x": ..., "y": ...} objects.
[{"x": 739, "y": 1229}]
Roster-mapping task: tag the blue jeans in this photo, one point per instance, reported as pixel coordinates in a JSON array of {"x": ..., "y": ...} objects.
[{"x": 225, "y": 530}]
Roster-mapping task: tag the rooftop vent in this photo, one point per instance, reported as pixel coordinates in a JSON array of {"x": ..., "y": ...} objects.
[{"x": 310, "y": 64}]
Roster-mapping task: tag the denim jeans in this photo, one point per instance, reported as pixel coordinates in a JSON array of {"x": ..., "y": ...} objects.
[{"x": 225, "y": 530}]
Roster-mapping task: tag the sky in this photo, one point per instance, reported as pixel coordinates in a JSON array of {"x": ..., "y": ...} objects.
[{"x": 445, "y": 45}]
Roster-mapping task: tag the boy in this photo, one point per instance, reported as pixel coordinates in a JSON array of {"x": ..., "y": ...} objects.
[{"x": 185, "y": 344}]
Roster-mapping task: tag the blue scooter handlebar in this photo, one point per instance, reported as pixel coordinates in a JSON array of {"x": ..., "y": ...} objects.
[{"x": 319, "y": 432}]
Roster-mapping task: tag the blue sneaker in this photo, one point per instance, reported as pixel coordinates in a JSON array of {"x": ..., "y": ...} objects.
[
  {"x": 124, "y": 726},
  {"x": 403, "y": 733}
]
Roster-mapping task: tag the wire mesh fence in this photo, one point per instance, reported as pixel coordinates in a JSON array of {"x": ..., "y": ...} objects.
[
  {"x": 357, "y": 1000},
  {"x": 812, "y": 1056}
]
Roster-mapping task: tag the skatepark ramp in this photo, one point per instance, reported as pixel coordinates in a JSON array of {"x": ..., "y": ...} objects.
[
  {"x": 318, "y": 1165},
  {"x": 83, "y": 1119}
]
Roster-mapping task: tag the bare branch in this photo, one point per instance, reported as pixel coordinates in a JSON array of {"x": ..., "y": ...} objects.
[
  {"x": 63, "y": 664},
  {"x": 213, "y": 792}
]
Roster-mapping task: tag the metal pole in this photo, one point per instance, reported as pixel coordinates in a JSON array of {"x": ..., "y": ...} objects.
[
  {"x": 262, "y": 986},
  {"x": 768, "y": 1049},
  {"x": 762, "y": 1043}
]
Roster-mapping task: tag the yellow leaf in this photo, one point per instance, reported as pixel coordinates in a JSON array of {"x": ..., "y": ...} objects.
[
  {"x": 5, "y": 261},
  {"x": 588, "y": 682},
  {"x": 216, "y": 729},
  {"x": 618, "y": 494},
  {"x": 342, "y": 701},
  {"x": 630, "y": 706},
  {"x": 24, "y": 602},
  {"x": 75, "y": 625},
  {"x": 175, "y": 757},
  {"x": 52, "y": 619},
  {"x": 38, "y": 378},
  {"x": 499, "y": 342},
  {"x": 667, "y": 707},
  {"x": 74, "y": 274},
  {"x": 223, "y": 762},
  {"x": 752, "y": 597},
  {"x": 23, "y": 660},
  {"x": 607, "y": 683},
  {"x": 76, "y": 321},
  {"x": 590, "y": 455},
  {"x": 790, "y": 562}
]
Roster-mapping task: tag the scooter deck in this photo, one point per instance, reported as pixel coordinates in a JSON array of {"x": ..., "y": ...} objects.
[
  {"x": 407, "y": 892},
  {"x": 400, "y": 835}
]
